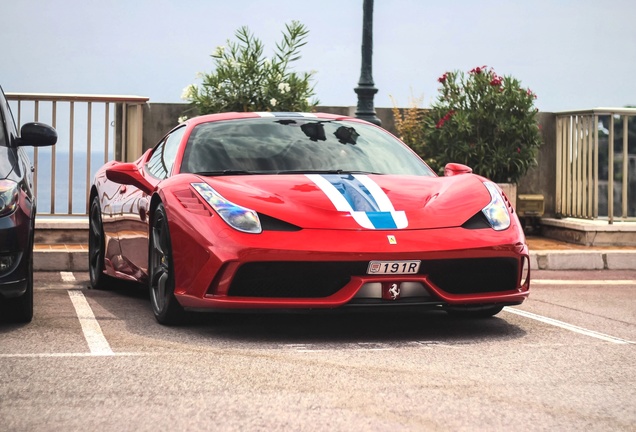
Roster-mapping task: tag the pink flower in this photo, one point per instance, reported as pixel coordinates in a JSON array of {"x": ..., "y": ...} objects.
[
  {"x": 444, "y": 119},
  {"x": 478, "y": 70},
  {"x": 442, "y": 79}
]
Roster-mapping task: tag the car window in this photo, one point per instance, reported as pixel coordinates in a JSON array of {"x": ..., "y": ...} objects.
[
  {"x": 275, "y": 145},
  {"x": 4, "y": 108},
  {"x": 162, "y": 159}
]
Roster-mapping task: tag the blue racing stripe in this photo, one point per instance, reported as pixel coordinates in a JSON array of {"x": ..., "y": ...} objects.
[
  {"x": 361, "y": 200},
  {"x": 358, "y": 197},
  {"x": 361, "y": 197},
  {"x": 382, "y": 220}
]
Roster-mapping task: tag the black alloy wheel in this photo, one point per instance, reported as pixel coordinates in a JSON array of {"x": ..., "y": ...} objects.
[
  {"x": 165, "y": 306},
  {"x": 96, "y": 247}
]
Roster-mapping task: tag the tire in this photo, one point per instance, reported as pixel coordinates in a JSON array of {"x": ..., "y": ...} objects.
[
  {"x": 474, "y": 311},
  {"x": 165, "y": 306},
  {"x": 21, "y": 308},
  {"x": 96, "y": 248}
]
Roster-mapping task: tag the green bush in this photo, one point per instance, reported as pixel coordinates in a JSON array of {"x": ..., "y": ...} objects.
[
  {"x": 485, "y": 121},
  {"x": 243, "y": 79}
]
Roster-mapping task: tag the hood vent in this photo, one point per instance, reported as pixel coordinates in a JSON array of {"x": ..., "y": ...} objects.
[{"x": 191, "y": 202}]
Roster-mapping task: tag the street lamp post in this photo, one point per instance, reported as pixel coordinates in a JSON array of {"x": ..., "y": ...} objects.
[{"x": 366, "y": 89}]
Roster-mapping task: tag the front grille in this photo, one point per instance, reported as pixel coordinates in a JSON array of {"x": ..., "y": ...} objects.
[
  {"x": 321, "y": 279},
  {"x": 474, "y": 275}
]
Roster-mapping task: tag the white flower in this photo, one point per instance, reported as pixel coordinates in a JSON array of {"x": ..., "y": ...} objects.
[
  {"x": 188, "y": 92},
  {"x": 182, "y": 119},
  {"x": 273, "y": 102},
  {"x": 218, "y": 52},
  {"x": 283, "y": 88}
]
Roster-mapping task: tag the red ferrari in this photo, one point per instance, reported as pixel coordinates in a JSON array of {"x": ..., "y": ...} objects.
[{"x": 297, "y": 210}]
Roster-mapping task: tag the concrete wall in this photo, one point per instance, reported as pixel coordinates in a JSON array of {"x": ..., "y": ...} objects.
[
  {"x": 159, "y": 118},
  {"x": 542, "y": 178}
]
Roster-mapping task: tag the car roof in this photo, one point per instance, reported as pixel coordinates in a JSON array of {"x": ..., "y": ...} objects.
[{"x": 247, "y": 115}]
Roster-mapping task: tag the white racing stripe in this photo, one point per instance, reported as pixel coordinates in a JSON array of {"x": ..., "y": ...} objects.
[
  {"x": 97, "y": 343},
  {"x": 340, "y": 202},
  {"x": 567, "y": 326},
  {"x": 582, "y": 282},
  {"x": 376, "y": 192}
]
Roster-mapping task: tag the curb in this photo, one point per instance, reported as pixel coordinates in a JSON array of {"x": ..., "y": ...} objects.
[
  {"x": 60, "y": 260},
  {"x": 583, "y": 260},
  {"x": 77, "y": 260}
]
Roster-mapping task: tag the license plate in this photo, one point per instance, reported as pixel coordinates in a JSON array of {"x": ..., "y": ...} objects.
[{"x": 393, "y": 267}]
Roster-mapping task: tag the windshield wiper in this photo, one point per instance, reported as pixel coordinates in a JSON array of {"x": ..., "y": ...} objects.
[{"x": 224, "y": 172}]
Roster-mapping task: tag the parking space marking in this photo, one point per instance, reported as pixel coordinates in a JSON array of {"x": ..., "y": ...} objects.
[
  {"x": 569, "y": 327},
  {"x": 67, "y": 276},
  {"x": 582, "y": 282},
  {"x": 97, "y": 343},
  {"x": 68, "y": 354}
]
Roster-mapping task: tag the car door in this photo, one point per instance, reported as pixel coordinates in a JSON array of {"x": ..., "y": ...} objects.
[{"x": 134, "y": 204}]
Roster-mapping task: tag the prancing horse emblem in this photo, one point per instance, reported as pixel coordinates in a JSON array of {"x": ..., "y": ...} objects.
[
  {"x": 394, "y": 291},
  {"x": 391, "y": 239}
]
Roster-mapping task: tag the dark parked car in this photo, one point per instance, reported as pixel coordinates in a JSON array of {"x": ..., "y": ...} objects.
[{"x": 17, "y": 212}]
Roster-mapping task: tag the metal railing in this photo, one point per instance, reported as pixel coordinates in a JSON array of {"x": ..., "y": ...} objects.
[
  {"x": 590, "y": 144},
  {"x": 92, "y": 129}
]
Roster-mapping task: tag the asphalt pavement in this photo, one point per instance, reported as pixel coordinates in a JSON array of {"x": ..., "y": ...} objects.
[{"x": 97, "y": 360}]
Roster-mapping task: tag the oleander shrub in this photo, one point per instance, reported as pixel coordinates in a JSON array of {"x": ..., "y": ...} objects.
[
  {"x": 244, "y": 79},
  {"x": 485, "y": 121}
]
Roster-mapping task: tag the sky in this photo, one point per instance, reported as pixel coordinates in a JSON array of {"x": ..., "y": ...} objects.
[{"x": 574, "y": 54}]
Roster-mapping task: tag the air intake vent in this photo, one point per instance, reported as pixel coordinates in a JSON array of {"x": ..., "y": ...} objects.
[
  {"x": 508, "y": 203},
  {"x": 191, "y": 202},
  {"x": 478, "y": 221},
  {"x": 272, "y": 224}
]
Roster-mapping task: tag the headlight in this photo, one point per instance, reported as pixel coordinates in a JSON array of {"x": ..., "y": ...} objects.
[
  {"x": 8, "y": 196},
  {"x": 496, "y": 211},
  {"x": 239, "y": 218}
]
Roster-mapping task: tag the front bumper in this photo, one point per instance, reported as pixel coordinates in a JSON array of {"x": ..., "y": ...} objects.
[
  {"x": 327, "y": 269},
  {"x": 15, "y": 233}
]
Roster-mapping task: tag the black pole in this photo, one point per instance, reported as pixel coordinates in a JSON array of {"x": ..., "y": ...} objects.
[{"x": 366, "y": 89}]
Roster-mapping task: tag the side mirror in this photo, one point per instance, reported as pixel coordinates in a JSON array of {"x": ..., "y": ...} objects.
[
  {"x": 37, "y": 135},
  {"x": 127, "y": 173},
  {"x": 452, "y": 169}
]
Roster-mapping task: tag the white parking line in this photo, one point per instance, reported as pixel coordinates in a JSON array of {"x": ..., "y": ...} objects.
[
  {"x": 67, "y": 276},
  {"x": 582, "y": 282},
  {"x": 97, "y": 343},
  {"x": 569, "y": 327},
  {"x": 67, "y": 354}
]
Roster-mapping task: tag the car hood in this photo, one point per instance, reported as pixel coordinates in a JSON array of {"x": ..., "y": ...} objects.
[{"x": 354, "y": 202}]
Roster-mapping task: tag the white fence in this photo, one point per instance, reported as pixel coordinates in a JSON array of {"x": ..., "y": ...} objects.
[
  {"x": 92, "y": 129},
  {"x": 595, "y": 178}
]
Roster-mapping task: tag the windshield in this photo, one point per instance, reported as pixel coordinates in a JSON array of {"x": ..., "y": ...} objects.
[{"x": 296, "y": 145}]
